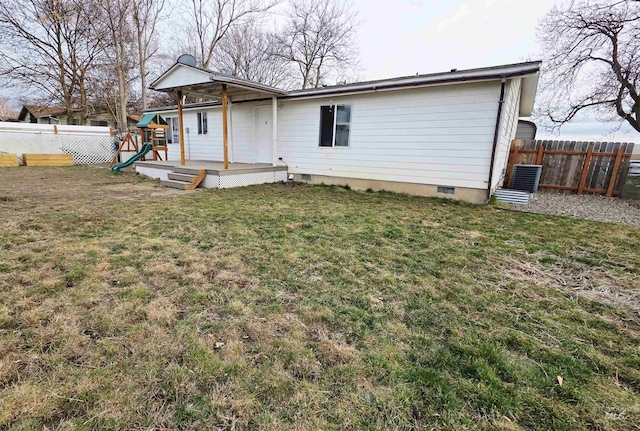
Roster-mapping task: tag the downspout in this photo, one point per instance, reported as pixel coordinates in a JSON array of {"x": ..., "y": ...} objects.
[{"x": 496, "y": 134}]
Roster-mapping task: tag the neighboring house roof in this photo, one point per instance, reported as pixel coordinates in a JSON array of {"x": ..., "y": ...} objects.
[
  {"x": 528, "y": 71},
  {"x": 134, "y": 117},
  {"x": 39, "y": 111}
]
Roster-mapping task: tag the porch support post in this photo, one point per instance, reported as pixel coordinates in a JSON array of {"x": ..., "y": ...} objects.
[
  {"x": 225, "y": 130},
  {"x": 181, "y": 127},
  {"x": 231, "y": 149},
  {"x": 274, "y": 122}
]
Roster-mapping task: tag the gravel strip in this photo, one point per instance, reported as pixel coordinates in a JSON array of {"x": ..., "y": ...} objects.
[{"x": 592, "y": 207}]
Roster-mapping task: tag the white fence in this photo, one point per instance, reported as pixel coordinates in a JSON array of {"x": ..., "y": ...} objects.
[{"x": 88, "y": 144}]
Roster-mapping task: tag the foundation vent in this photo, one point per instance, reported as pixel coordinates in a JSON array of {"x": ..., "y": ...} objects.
[
  {"x": 446, "y": 190},
  {"x": 306, "y": 177}
]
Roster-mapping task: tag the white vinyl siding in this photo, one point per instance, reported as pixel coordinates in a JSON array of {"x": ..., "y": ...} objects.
[
  {"x": 508, "y": 126},
  {"x": 209, "y": 146},
  {"x": 436, "y": 135}
]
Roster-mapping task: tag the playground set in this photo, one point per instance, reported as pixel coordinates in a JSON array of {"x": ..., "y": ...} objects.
[{"x": 153, "y": 134}]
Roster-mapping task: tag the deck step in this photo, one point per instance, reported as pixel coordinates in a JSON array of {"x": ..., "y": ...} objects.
[
  {"x": 182, "y": 185},
  {"x": 512, "y": 196},
  {"x": 177, "y": 176},
  {"x": 179, "y": 180}
]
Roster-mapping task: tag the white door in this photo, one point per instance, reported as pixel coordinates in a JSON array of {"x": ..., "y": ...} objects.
[{"x": 264, "y": 135}]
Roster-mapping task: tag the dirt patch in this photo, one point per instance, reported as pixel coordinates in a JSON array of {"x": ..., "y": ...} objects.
[
  {"x": 597, "y": 284},
  {"x": 125, "y": 192}
]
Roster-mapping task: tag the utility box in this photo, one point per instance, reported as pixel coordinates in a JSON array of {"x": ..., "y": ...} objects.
[{"x": 526, "y": 178}]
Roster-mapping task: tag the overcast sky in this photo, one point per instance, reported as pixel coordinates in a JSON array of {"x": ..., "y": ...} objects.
[{"x": 404, "y": 37}]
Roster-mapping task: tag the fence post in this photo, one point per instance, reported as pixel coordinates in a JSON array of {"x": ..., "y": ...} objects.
[
  {"x": 513, "y": 159},
  {"x": 540, "y": 154},
  {"x": 614, "y": 173},
  {"x": 585, "y": 169}
]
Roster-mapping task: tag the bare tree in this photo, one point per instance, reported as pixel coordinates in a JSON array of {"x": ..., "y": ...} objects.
[
  {"x": 208, "y": 22},
  {"x": 47, "y": 47},
  {"x": 592, "y": 61},
  {"x": 6, "y": 110},
  {"x": 320, "y": 38},
  {"x": 146, "y": 16},
  {"x": 249, "y": 52},
  {"x": 114, "y": 23}
]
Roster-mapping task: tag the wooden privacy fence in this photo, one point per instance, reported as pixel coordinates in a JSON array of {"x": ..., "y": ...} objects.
[{"x": 582, "y": 167}]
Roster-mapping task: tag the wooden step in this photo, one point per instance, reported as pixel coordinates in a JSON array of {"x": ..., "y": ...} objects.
[
  {"x": 182, "y": 185},
  {"x": 182, "y": 177},
  {"x": 183, "y": 181}
]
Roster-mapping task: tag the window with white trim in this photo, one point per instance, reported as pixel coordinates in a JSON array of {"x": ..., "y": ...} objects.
[
  {"x": 202, "y": 123},
  {"x": 335, "y": 125},
  {"x": 173, "y": 134}
]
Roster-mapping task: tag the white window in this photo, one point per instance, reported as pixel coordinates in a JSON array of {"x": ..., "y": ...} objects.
[
  {"x": 335, "y": 125},
  {"x": 173, "y": 134},
  {"x": 202, "y": 123}
]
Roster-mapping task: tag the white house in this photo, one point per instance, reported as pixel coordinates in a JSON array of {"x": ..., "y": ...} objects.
[{"x": 443, "y": 134}]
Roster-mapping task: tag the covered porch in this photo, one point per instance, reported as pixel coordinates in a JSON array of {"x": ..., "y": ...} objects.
[{"x": 221, "y": 92}]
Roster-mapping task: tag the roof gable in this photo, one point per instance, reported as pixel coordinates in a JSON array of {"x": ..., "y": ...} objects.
[{"x": 180, "y": 75}]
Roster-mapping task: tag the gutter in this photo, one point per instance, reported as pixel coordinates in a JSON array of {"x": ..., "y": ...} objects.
[
  {"x": 496, "y": 135},
  {"x": 381, "y": 86}
]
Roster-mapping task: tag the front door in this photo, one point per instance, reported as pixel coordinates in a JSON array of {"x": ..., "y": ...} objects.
[{"x": 264, "y": 135}]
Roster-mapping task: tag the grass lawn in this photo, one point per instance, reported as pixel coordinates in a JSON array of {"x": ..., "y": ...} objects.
[{"x": 125, "y": 305}]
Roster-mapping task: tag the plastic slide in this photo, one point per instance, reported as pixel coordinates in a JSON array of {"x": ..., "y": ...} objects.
[{"x": 143, "y": 152}]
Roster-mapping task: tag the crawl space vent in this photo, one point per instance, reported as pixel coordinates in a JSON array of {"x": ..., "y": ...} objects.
[
  {"x": 526, "y": 178},
  {"x": 306, "y": 177},
  {"x": 446, "y": 190}
]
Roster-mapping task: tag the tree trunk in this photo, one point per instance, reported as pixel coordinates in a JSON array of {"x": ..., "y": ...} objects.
[
  {"x": 142, "y": 62},
  {"x": 122, "y": 87},
  {"x": 143, "y": 80},
  {"x": 84, "y": 113}
]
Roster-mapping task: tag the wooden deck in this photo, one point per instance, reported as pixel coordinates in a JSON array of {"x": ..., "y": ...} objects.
[
  {"x": 171, "y": 173},
  {"x": 212, "y": 167}
]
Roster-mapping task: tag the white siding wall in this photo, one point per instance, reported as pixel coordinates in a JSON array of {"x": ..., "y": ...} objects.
[
  {"x": 435, "y": 135},
  {"x": 508, "y": 126},
  {"x": 209, "y": 146}
]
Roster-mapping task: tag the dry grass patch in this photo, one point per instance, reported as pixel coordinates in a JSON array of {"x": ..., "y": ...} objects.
[{"x": 125, "y": 305}]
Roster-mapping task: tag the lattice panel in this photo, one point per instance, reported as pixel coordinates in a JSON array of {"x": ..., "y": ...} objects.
[
  {"x": 210, "y": 182},
  {"x": 241, "y": 180},
  {"x": 86, "y": 149}
]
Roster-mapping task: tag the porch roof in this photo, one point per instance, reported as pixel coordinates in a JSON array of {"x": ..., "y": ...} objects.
[{"x": 199, "y": 82}]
